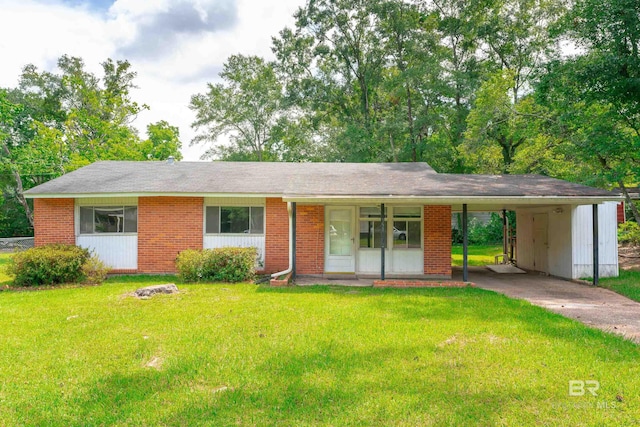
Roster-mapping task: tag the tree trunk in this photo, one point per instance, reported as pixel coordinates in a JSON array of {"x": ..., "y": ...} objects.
[
  {"x": 19, "y": 188},
  {"x": 412, "y": 136},
  {"x": 393, "y": 149}
]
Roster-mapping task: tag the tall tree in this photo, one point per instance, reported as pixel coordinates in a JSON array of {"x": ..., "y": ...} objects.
[
  {"x": 458, "y": 25},
  {"x": 333, "y": 63},
  {"x": 246, "y": 107},
  {"x": 54, "y": 122},
  {"x": 163, "y": 141},
  {"x": 498, "y": 127},
  {"x": 596, "y": 93}
]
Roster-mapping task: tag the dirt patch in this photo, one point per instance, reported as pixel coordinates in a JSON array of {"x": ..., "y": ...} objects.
[{"x": 629, "y": 257}]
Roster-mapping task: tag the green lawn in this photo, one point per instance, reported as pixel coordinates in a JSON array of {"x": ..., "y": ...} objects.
[
  {"x": 478, "y": 254},
  {"x": 252, "y": 355},
  {"x": 5, "y": 279},
  {"x": 627, "y": 284}
]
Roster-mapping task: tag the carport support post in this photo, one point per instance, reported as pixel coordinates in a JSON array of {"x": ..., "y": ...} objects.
[
  {"x": 505, "y": 237},
  {"x": 465, "y": 245},
  {"x": 383, "y": 229},
  {"x": 596, "y": 255},
  {"x": 293, "y": 242}
]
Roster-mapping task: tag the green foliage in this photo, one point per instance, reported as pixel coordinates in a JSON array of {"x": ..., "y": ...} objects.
[
  {"x": 163, "y": 141},
  {"x": 94, "y": 270},
  {"x": 53, "y": 123},
  {"x": 484, "y": 234},
  {"x": 217, "y": 265},
  {"x": 629, "y": 232},
  {"x": 49, "y": 265},
  {"x": 246, "y": 107}
]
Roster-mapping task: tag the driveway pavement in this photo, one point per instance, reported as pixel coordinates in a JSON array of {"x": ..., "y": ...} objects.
[{"x": 596, "y": 307}]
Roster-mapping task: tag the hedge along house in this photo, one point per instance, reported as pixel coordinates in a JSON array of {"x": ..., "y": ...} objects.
[{"x": 390, "y": 219}]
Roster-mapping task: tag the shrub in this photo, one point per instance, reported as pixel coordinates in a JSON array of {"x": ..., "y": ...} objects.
[
  {"x": 629, "y": 232},
  {"x": 484, "y": 234},
  {"x": 48, "y": 265},
  {"x": 94, "y": 270},
  {"x": 217, "y": 265}
]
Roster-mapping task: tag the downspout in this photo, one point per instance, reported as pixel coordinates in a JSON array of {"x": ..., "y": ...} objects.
[{"x": 290, "y": 210}]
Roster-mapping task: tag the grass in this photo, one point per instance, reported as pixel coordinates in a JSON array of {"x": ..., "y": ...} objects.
[
  {"x": 627, "y": 284},
  {"x": 5, "y": 279},
  {"x": 478, "y": 254},
  {"x": 251, "y": 355}
]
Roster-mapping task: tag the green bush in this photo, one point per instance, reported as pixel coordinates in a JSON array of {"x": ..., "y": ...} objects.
[
  {"x": 48, "y": 265},
  {"x": 629, "y": 233},
  {"x": 94, "y": 270},
  {"x": 484, "y": 234},
  {"x": 217, "y": 265}
]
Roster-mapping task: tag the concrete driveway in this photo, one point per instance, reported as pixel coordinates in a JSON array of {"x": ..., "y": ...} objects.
[{"x": 596, "y": 307}]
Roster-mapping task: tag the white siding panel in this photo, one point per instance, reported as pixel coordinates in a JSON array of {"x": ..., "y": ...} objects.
[
  {"x": 118, "y": 252},
  {"x": 237, "y": 241},
  {"x": 407, "y": 261},
  {"x": 524, "y": 242},
  {"x": 399, "y": 261},
  {"x": 582, "y": 234},
  {"x": 559, "y": 235},
  {"x": 369, "y": 261}
]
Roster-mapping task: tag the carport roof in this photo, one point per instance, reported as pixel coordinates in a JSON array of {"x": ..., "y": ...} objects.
[{"x": 306, "y": 181}]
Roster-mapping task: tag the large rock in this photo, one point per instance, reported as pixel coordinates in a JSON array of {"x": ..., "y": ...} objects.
[{"x": 149, "y": 291}]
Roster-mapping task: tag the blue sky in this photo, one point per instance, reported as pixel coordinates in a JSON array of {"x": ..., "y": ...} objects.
[
  {"x": 101, "y": 5},
  {"x": 175, "y": 46}
]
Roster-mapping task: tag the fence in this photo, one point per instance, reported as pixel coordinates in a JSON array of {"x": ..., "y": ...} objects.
[{"x": 10, "y": 244}]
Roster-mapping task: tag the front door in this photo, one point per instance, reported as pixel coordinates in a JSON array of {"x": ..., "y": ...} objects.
[
  {"x": 540, "y": 242},
  {"x": 339, "y": 240}
]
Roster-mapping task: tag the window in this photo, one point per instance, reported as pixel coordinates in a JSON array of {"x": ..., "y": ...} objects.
[
  {"x": 407, "y": 227},
  {"x": 234, "y": 220},
  {"x": 370, "y": 227},
  {"x": 108, "y": 219}
]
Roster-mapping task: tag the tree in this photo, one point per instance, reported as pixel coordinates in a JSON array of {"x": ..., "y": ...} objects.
[
  {"x": 458, "y": 22},
  {"x": 53, "y": 123},
  {"x": 596, "y": 93},
  {"x": 332, "y": 68},
  {"x": 498, "y": 127},
  {"x": 163, "y": 142},
  {"x": 246, "y": 107}
]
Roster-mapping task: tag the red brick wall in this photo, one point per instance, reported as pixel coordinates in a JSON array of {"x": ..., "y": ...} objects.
[
  {"x": 310, "y": 240},
  {"x": 437, "y": 240},
  {"x": 276, "y": 257},
  {"x": 166, "y": 226},
  {"x": 620, "y": 212},
  {"x": 54, "y": 221}
]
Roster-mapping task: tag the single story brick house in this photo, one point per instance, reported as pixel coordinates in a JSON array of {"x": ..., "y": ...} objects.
[{"x": 318, "y": 218}]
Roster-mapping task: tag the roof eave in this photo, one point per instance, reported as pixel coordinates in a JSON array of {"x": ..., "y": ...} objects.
[
  {"x": 141, "y": 194},
  {"x": 451, "y": 200}
]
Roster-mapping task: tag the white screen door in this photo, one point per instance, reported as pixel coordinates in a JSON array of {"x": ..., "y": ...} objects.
[{"x": 339, "y": 240}]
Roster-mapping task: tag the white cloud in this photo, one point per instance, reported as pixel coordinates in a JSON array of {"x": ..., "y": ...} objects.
[{"x": 197, "y": 35}]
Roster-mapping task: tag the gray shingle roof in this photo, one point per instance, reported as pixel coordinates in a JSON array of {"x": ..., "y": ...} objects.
[{"x": 300, "y": 179}]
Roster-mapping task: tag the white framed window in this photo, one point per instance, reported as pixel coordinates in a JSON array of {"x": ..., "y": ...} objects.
[
  {"x": 234, "y": 219},
  {"x": 407, "y": 227},
  {"x": 108, "y": 219},
  {"x": 370, "y": 227}
]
